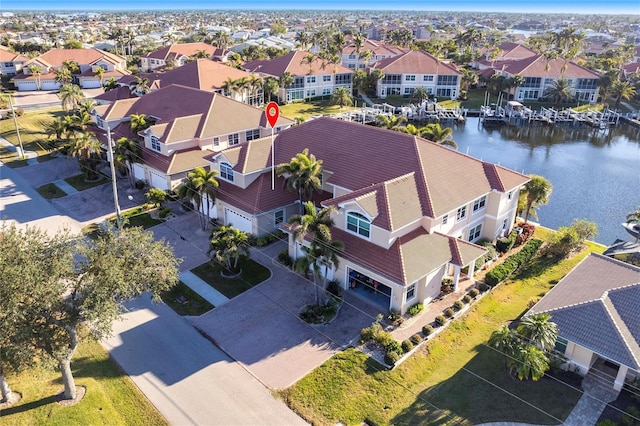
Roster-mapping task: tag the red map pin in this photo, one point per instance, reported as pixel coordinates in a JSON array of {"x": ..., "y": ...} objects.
[{"x": 273, "y": 111}]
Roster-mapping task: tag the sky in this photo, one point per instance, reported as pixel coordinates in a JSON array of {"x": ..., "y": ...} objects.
[{"x": 628, "y": 7}]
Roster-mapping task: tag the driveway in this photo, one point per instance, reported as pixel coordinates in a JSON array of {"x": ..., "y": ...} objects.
[
  {"x": 260, "y": 328},
  {"x": 190, "y": 381}
]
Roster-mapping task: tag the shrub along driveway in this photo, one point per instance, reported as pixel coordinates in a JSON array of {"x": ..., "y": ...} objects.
[{"x": 260, "y": 328}]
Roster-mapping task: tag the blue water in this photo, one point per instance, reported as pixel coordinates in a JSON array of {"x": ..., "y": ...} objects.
[{"x": 595, "y": 174}]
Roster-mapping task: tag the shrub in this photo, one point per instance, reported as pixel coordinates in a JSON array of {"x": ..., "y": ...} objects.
[
  {"x": 164, "y": 212},
  {"x": 483, "y": 287},
  {"x": 440, "y": 320},
  {"x": 415, "y": 309},
  {"x": 491, "y": 253},
  {"x": 448, "y": 312},
  {"x": 427, "y": 330},
  {"x": 393, "y": 346},
  {"x": 503, "y": 245},
  {"x": 467, "y": 298},
  {"x": 416, "y": 338},
  {"x": 509, "y": 266},
  {"x": 395, "y": 317},
  {"x": 474, "y": 292},
  {"x": 333, "y": 288},
  {"x": 370, "y": 333},
  {"x": 390, "y": 358},
  {"x": 262, "y": 241},
  {"x": 284, "y": 258},
  {"x": 407, "y": 346},
  {"x": 526, "y": 233},
  {"x": 447, "y": 285}
]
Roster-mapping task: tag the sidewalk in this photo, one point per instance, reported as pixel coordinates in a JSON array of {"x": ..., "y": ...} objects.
[
  {"x": 205, "y": 291},
  {"x": 32, "y": 157}
]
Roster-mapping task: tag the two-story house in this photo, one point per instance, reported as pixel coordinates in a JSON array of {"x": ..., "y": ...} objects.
[
  {"x": 353, "y": 59},
  {"x": 39, "y": 73},
  {"x": 417, "y": 68},
  {"x": 181, "y": 134},
  {"x": 313, "y": 77},
  {"x": 10, "y": 63},
  {"x": 178, "y": 54},
  {"x": 408, "y": 212}
]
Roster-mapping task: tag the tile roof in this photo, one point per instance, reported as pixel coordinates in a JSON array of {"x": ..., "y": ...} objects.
[
  {"x": 596, "y": 306},
  {"x": 116, "y": 94},
  {"x": 295, "y": 64},
  {"x": 181, "y": 49},
  {"x": 377, "y": 47},
  {"x": 415, "y": 61},
  {"x": 8, "y": 56},
  {"x": 536, "y": 66},
  {"x": 56, "y": 57}
]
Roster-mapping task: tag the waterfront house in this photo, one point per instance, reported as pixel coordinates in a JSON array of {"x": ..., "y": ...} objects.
[
  {"x": 313, "y": 77},
  {"x": 379, "y": 51},
  {"x": 181, "y": 133},
  {"x": 408, "y": 212},
  {"x": 178, "y": 54},
  {"x": 417, "y": 68},
  {"x": 596, "y": 309}
]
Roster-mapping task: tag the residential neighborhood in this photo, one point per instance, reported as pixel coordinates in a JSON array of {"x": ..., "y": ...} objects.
[{"x": 319, "y": 217}]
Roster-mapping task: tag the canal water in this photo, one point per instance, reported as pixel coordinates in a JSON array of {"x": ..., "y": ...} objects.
[{"x": 595, "y": 174}]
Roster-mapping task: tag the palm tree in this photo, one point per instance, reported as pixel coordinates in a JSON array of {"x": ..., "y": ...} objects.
[
  {"x": 63, "y": 76},
  {"x": 358, "y": 43},
  {"x": 286, "y": 80},
  {"x": 111, "y": 84},
  {"x": 221, "y": 39},
  {"x": 342, "y": 97},
  {"x": 36, "y": 71},
  {"x": 506, "y": 341},
  {"x": 254, "y": 85},
  {"x": 308, "y": 59},
  {"x": 270, "y": 86},
  {"x": 537, "y": 190},
  {"x": 303, "y": 39},
  {"x": 302, "y": 174},
  {"x": 127, "y": 152},
  {"x": 140, "y": 86},
  {"x": 420, "y": 94},
  {"x": 539, "y": 331},
  {"x": 71, "y": 96},
  {"x": 322, "y": 251},
  {"x": 199, "y": 184},
  {"x": 71, "y": 65},
  {"x": 58, "y": 126},
  {"x": 622, "y": 90},
  {"x": 560, "y": 91},
  {"x": 231, "y": 87},
  {"x": 529, "y": 362},
  {"x": 201, "y": 54},
  {"x": 99, "y": 71},
  {"x": 516, "y": 81},
  {"x": 87, "y": 106},
  {"x": 138, "y": 122},
  {"x": 375, "y": 76},
  {"x": 86, "y": 148},
  {"x": 227, "y": 246},
  {"x": 436, "y": 133},
  {"x": 391, "y": 122},
  {"x": 366, "y": 56}
]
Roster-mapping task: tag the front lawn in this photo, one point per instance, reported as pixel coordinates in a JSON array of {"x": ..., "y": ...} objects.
[
  {"x": 51, "y": 191},
  {"x": 305, "y": 110},
  {"x": 111, "y": 398},
  {"x": 252, "y": 274},
  {"x": 448, "y": 372},
  {"x": 185, "y": 301},
  {"x": 30, "y": 128},
  {"x": 80, "y": 183}
]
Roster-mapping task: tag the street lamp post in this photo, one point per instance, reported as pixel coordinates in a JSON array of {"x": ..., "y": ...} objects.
[{"x": 113, "y": 178}]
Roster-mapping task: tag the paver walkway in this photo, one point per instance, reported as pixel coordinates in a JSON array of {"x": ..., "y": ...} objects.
[
  {"x": 207, "y": 292},
  {"x": 64, "y": 186}
]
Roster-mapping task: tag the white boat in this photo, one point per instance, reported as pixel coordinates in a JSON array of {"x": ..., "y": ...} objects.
[{"x": 633, "y": 229}]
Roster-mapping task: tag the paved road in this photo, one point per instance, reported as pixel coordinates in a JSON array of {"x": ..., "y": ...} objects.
[{"x": 185, "y": 376}]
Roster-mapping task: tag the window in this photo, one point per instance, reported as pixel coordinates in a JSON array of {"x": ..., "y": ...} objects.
[
  {"x": 474, "y": 232},
  {"x": 326, "y": 78},
  {"x": 411, "y": 292},
  {"x": 392, "y": 79},
  {"x": 409, "y": 90},
  {"x": 410, "y": 77},
  {"x": 321, "y": 179},
  {"x": 352, "y": 56},
  {"x": 155, "y": 144},
  {"x": 216, "y": 141},
  {"x": 99, "y": 122},
  {"x": 311, "y": 93},
  {"x": 343, "y": 79},
  {"x": 278, "y": 217},
  {"x": 234, "y": 139},
  {"x": 505, "y": 223},
  {"x": 226, "y": 171},
  {"x": 509, "y": 195},
  {"x": 445, "y": 219},
  {"x": 252, "y": 134},
  {"x": 358, "y": 224},
  {"x": 427, "y": 78},
  {"x": 461, "y": 213},
  {"x": 311, "y": 79},
  {"x": 479, "y": 203},
  {"x": 447, "y": 80},
  {"x": 326, "y": 91},
  {"x": 561, "y": 345}
]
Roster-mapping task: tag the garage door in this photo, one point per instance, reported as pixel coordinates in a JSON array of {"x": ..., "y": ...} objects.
[
  {"x": 241, "y": 222},
  {"x": 90, "y": 83},
  {"x": 138, "y": 172},
  {"x": 24, "y": 86},
  {"x": 50, "y": 85},
  {"x": 159, "y": 181}
]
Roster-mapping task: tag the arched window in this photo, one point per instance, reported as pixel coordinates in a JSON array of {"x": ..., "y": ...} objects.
[
  {"x": 226, "y": 171},
  {"x": 358, "y": 224}
]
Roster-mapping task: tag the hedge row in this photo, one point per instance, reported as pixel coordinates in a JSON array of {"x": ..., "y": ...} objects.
[{"x": 509, "y": 266}]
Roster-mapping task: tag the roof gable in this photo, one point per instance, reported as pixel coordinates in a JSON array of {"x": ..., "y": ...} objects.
[{"x": 416, "y": 61}]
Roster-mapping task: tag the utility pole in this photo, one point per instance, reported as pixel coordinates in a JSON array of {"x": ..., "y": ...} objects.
[
  {"x": 15, "y": 122},
  {"x": 113, "y": 178}
]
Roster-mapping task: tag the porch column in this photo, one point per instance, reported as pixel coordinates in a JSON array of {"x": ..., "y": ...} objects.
[
  {"x": 456, "y": 277},
  {"x": 622, "y": 373},
  {"x": 472, "y": 269}
]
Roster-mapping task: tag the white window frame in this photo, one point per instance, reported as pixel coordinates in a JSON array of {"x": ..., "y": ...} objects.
[
  {"x": 155, "y": 144},
  {"x": 226, "y": 171},
  {"x": 428, "y": 78},
  {"x": 411, "y": 292},
  {"x": 475, "y": 232},
  {"x": 359, "y": 229},
  {"x": 480, "y": 204},
  {"x": 445, "y": 219},
  {"x": 278, "y": 217},
  {"x": 461, "y": 213},
  {"x": 326, "y": 78},
  {"x": 216, "y": 141},
  {"x": 410, "y": 77},
  {"x": 234, "y": 139},
  {"x": 252, "y": 134},
  {"x": 311, "y": 79}
]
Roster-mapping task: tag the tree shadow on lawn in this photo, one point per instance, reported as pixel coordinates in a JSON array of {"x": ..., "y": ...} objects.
[
  {"x": 21, "y": 408},
  {"x": 494, "y": 396}
]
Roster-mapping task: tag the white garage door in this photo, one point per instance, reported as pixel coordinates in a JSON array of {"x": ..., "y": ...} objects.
[
  {"x": 24, "y": 86},
  {"x": 241, "y": 222},
  {"x": 138, "y": 172},
  {"x": 159, "y": 181},
  {"x": 90, "y": 83},
  {"x": 50, "y": 85}
]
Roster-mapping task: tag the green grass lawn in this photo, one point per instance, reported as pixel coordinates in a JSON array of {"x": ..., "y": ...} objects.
[
  {"x": 306, "y": 110},
  {"x": 352, "y": 388},
  {"x": 252, "y": 274},
  {"x": 30, "y": 128},
  {"x": 185, "y": 301},
  {"x": 80, "y": 183},
  {"x": 51, "y": 191},
  {"x": 111, "y": 398}
]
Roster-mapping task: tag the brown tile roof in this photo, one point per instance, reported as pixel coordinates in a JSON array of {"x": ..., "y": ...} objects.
[
  {"x": 596, "y": 306},
  {"x": 377, "y": 47},
  {"x": 180, "y": 49},
  {"x": 295, "y": 64},
  {"x": 536, "y": 66},
  {"x": 186, "y": 160},
  {"x": 115, "y": 94},
  {"x": 415, "y": 61},
  {"x": 56, "y": 57},
  {"x": 8, "y": 56}
]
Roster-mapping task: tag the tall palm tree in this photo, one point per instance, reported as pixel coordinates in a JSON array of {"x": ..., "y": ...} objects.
[
  {"x": 231, "y": 87},
  {"x": 87, "y": 106},
  {"x": 342, "y": 97},
  {"x": 227, "y": 246},
  {"x": 270, "y": 86},
  {"x": 127, "y": 152},
  {"x": 63, "y": 76},
  {"x": 286, "y": 80},
  {"x": 622, "y": 90},
  {"x": 302, "y": 174},
  {"x": 308, "y": 59},
  {"x": 140, "y": 86},
  {"x": 539, "y": 330},
  {"x": 86, "y": 148},
  {"x": 71, "y": 96},
  {"x": 420, "y": 94},
  {"x": 99, "y": 72},
  {"x": 56, "y": 127},
  {"x": 35, "y": 71},
  {"x": 71, "y": 65},
  {"x": 537, "y": 190},
  {"x": 199, "y": 184},
  {"x": 438, "y": 134},
  {"x": 221, "y": 39},
  {"x": 366, "y": 56},
  {"x": 303, "y": 39},
  {"x": 560, "y": 91},
  {"x": 358, "y": 43}
]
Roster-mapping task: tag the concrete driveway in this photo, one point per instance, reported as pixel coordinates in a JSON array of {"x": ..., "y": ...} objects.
[{"x": 260, "y": 328}]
